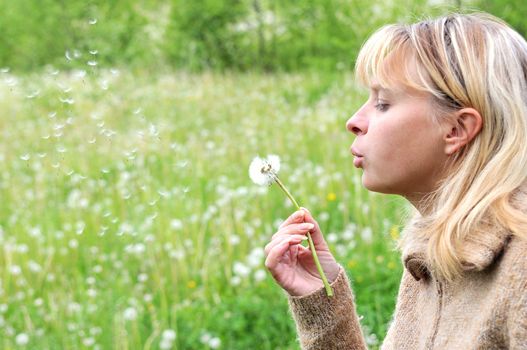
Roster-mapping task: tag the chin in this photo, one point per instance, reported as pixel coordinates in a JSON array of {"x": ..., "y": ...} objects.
[{"x": 377, "y": 186}]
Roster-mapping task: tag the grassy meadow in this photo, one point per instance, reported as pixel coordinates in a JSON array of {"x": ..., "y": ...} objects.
[{"x": 128, "y": 220}]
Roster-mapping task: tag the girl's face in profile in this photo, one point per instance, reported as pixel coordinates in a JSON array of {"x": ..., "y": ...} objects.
[{"x": 398, "y": 145}]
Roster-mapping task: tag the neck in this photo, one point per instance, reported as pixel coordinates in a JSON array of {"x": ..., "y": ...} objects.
[{"x": 420, "y": 202}]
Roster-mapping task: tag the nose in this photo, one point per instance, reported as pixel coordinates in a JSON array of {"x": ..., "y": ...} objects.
[{"x": 358, "y": 123}]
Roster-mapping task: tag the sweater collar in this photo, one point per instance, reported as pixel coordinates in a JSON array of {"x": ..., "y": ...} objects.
[{"x": 479, "y": 254}]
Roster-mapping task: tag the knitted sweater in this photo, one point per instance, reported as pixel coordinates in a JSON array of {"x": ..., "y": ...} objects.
[{"x": 484, "y": 309}]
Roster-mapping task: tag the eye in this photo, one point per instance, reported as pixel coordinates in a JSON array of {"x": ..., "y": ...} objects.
[{"x": 381, "y": 106}]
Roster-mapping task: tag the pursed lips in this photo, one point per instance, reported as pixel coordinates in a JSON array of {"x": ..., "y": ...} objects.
[{"x": 357, "y": 161}]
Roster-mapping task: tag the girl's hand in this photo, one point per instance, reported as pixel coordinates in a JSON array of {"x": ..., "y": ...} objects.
[{"x": 292, "y": 264}]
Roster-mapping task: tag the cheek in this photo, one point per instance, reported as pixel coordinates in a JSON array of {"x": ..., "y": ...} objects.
[
  {"x": 400, "y": 153},
  {"x": 390, "y": 143}
]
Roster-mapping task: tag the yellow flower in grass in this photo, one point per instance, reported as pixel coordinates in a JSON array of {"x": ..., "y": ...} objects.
[
  {"x": 352, "y": 263},
  {"x": 331, "y": 197},
  {"x": 191, "y": 284},
  {"x": 394, "y": 232}
]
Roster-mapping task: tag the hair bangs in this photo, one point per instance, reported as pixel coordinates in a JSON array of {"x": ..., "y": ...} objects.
[{"x": 388, "y": 59}]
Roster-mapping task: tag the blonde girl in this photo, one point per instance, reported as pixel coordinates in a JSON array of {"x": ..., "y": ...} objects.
[{"x": 445, "y": 126}]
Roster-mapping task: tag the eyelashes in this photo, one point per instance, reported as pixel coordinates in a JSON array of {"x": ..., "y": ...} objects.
[{"x": 381, "y": 107}]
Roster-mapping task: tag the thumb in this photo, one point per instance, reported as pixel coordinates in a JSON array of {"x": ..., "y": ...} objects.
[{"x": 316, "y": 233}]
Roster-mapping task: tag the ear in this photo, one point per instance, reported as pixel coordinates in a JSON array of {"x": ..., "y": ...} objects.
[{"x": 462, "y": 128}]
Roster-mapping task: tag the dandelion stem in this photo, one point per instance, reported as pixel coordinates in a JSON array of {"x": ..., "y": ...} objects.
[{"x": 329, "y": 290}]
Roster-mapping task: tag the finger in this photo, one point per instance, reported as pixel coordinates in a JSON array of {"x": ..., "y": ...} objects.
[
  {"x": 279, "y": 240},
  {"x": 297, "y": 216},
  {"x": 304, "y": 250},
  {"x": 277, "y": 252},
  {"x": 316, "y": 233},
  {"x": 302, "y": 228}
]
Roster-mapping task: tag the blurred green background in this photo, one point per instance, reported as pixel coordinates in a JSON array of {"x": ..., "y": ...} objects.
[
  {"x": 127, "y": 217},
  {"x": 265, "y": 35}
]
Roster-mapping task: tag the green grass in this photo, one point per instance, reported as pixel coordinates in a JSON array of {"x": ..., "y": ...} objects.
[{"x": 126, "y": 204}]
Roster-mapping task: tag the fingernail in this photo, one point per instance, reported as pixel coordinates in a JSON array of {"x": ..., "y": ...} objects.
[
  {"x": 308, "y": 225},
  {"x": 299, "y": 214}
]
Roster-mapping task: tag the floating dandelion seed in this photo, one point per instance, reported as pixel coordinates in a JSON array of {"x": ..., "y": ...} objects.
[
  {"x": 93, "y": 52},
  {"x": 92, "y": 63},
  {"x": 69, "y": 101},
  {"x": 263, "y": 171},
  {"x": 80, "y": 74},
  {"x": 33, "y": 94},
  {"x": 104, "y": 84},
  {"x": 182, "y": 164},
  {"x": 92, "y": 21},
  {"x": 68, "y": 56}
]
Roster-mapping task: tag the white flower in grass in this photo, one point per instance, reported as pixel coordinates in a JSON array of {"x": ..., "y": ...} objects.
[
  {"x": 215, "y": 343},
  {"x": 169, "y": 335},
  {"x": 255, "y": 257},
  {"x": 241, "y": 269},
  {"x": 165, "y": 345},
  {"x": 262, "y": 171},
  {"x": 332, "y": 237},
  {"x": 176, "y": 224},
  {"x": 130, "y": 314},
  {"x": 260, "y": 275},
  {"x": 205, "y": 337},
  {"x": 22, "y": 339},
  {"x": 167, "y": 339},
  {"x": 88, "y": 341},
  {"x": 236, "y": 280}
]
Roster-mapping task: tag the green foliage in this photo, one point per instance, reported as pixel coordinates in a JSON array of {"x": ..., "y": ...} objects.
[
  {"x": 270, "y": 34},
  {"x": 512, "y": 11},
  {"x": 200, "y": 33},
  {"x": 194, "y": 35},
  {"x": 37, "y": 33}
]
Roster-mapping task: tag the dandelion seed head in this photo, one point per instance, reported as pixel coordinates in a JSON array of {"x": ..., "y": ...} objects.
[{"x": 262, "y": 171}]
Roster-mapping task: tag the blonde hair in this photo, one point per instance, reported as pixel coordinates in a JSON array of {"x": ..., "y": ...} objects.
[{"x": 463, "y": 60}]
